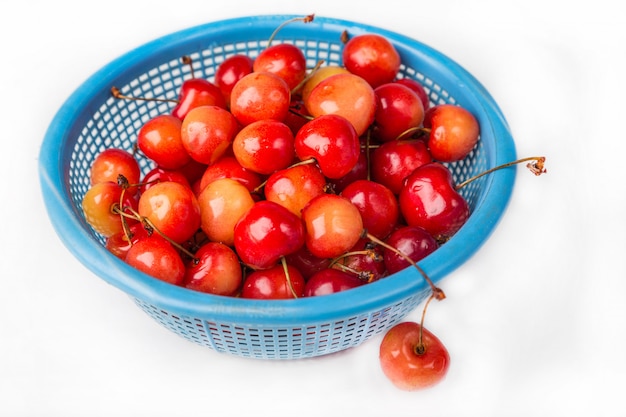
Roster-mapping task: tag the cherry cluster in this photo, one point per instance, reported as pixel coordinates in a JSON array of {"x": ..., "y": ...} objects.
[{"x": 277, "y": 181}]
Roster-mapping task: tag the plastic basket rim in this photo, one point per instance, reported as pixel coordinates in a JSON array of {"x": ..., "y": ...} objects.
[{"x": 362, "y": 300}]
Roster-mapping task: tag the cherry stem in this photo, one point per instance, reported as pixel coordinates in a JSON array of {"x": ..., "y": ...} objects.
[
  {"x": 115, "y": 92},
  {"x": 283, "y": 261},
  {"x": 420, "y": 348},
  {"x": 308, "y": 77},
  {"x": 188, "y": 61},
  {"x": 536, "y": 167},
  {"x": 305, "y": 19},
  {"x": 411, "y": 131},
  {"x": 436, "y": 291}
]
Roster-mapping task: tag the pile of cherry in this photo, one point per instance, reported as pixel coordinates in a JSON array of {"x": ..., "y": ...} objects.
[{"x": 277, "y": 181}]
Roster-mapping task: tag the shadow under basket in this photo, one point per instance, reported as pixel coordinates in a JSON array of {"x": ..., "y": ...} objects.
[{"x": 91, "y": 120}]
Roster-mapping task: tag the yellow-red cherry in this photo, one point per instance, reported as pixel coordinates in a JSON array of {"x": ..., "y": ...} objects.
[
  {"x": 259, "y": 96},
  {"x": 333, "y": 225},
  {"x": 113, "y": 162},
  {"x": 160, "y": 140},
  {"x": 346, "y": 95},
  {"x": 264, "y": 146},
  {"x": 222, "y": 203},
  {"x": 409, "y": 364},
  {"x": 454, "y": 131},
  {"x": 172, "y": 208},
  {"x": 207, "y": 132}
]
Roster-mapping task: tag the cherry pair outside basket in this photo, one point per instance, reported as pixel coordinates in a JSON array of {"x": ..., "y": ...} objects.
[{"x": 91, "y": 120}]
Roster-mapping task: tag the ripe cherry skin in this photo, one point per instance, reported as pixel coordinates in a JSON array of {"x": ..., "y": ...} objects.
[
  {"x": 111, "y": 163},
  {"x": 197, "y": 92},
  {"x": 377, "y": 204},
  {"x": 372, "y": 57},
  {"x": 267, "y": 232},
  {"x": 398, "y": 109},
  {"x": 272, "y": 284},
  {"x": 216, "y": 271},
  {"x": 222, "y": 203},
  {"x": 228, "y": 167},
  {"x": 207, "y": 132},
  {"x": 264, "y": 146},
  {"x": 333, "y": 225},
  {"x": 453, "y": 132},
  {"x": 259, "y": 96},
  {"x": 98, "y": 204},
  {"x": 429, "y": 200},
  {"x": 160, "y": 140},
  {"x": 157, "y": 257},
  {"x": 330, "y": 281},
  {"x": 172, "y": 208},
  {"x": 393, "y": 161},
  {"x": 347, "y": 95},
  {"x": 412, "y": 241},
  {"x": 285, "y": 60},
  {"x": 295, "y": 186},
  {"x": 404, "y": 366},
  {"x": 332, "y": 141},
  {"x": 230, "y": 71}
]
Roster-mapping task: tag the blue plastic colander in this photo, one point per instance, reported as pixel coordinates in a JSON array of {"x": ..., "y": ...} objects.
[{"x": 91, "y": 120}]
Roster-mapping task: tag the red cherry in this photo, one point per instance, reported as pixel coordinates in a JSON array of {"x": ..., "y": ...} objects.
[
  {"x": 418, "y": 89},
  {"x": 307, "y": 263},
  {"x": 112, "y": 162},
  {"x": 264, "y": 146},
  {"x": 222, "y": 203},
  {"x": 295, "y": 186},
  {"x": 216, "y": 270},
  {"x": 207, "y": 132},
  {"x": 172, "y": 208},
  {"x": 372, "y": 57},
  {"x": 376, "y": 203},
  {"x": 365, "y": 259},
  {"x": 398, "y": 109},
  {"x": 360, "y": 171},
  {"x": 197, "y": 92},
  {"x": 330, "y": 281},
  {"x": 119, "y": 244},
  {"x": 259, "y": 96},
  {"x": 229, "y": 167},
  {"x": 393, "y": 161},
  {"x": 285, "y": 60},
  {"x": 267, "y": 232},
  {"x": 101, "y": 206},
  {"x": 273, "y": 284},
  {"x": 346, "y": 95},
  {"x": 156, "y": 257},
  {"x": 413, "y": 242},
  {"x": 332, "y": 141},
  {"x": 453, "y": 134},
  {"x": 408, "y": 364},
  {"x": 160, "y": 140},
  {"x": 158, "y": 174},
  {"x": 230, "y": 71},
  {"x": 429, "y": 200},
  {"x": 333, "y": 225}
]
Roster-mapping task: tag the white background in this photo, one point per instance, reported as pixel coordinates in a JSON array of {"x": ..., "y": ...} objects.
[{"x": 535, "y": 322}]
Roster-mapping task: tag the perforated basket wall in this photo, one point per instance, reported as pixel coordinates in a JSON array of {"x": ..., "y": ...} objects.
[{"x": 92, "y": 120}]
